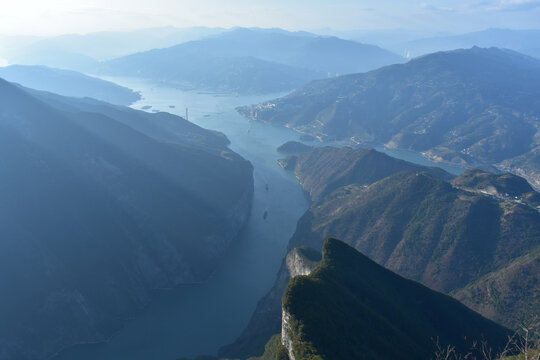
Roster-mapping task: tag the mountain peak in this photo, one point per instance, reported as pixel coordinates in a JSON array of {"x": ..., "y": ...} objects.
[
  {"x": 351, "y": 308},
  {"x": 469, "y": 107},
  {"x": 479, "y": 60},
  {"x": 336, "y": 252}
]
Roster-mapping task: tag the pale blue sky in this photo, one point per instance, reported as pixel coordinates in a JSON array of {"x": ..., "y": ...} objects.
[{"x": 46, "y": 17}]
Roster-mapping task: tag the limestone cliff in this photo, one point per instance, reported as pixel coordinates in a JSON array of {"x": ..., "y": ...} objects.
[
  {"x": 352, "y": 308},
  {"x": 266, "y": 320},
  {"x": 286, "y": 329}
]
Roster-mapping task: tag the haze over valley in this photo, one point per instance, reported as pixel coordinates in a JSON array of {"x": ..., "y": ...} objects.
[{"x": 269, "y": 181}]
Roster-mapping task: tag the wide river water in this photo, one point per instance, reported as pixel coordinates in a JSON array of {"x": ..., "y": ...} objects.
[{"x": 193, "y": 320}]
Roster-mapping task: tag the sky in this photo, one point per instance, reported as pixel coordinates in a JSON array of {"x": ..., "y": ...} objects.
[{"x": 53, "y": 17}]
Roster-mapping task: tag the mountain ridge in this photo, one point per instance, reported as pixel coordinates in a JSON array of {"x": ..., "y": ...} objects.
[
  {"x": 523, "y": 41},
  {"x": 427, "y": 229},
  {"x": 68, "y": 83},
  {"x": 261, "y": 60},
  {"x": 425, "y": 225},
  {"x": 467, "y": 107},
  {"x": 353, "y": 164},
  {"x": 97, "y": 213},
  {"x": 351, "y": 307}
]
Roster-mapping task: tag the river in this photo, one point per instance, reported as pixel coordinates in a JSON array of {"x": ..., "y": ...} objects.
[
  {"x": 193, "y": 320},
  {"x": 197, "y": 319}
]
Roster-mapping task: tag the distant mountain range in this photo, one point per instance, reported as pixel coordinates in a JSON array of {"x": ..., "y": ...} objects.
[
  {"x": 102, "y": 204},
  {"x": 68, "y": 83},
  {"x": 252, "y": 61},
  {"x": 82, "y": 52},
  {"x": 475, "y": 237},
  {"x": 524, "y": 41},
  {"x": 469, "y": 107},
  {"x": 242, "y": 75}
]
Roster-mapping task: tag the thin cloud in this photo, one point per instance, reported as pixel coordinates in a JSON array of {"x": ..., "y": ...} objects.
[
  {"x": 433, "y": 8},
  {"x": 505, "y": 5},
  {"x": 519, "y": 5}
]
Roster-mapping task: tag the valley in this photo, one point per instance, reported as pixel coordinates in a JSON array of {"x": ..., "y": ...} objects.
[
  {"x": 254, "y": 193},
  {"x": 474, "y": 237},
  {"x": 197, "y": 319},
  {"x": 473, "y": 107},
  {"x": 98, "y": 212},
  {"x": 183, "y": 320}
]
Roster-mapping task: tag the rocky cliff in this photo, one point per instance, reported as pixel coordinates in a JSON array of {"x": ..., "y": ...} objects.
[
  {"x": 352, "y": 308},
  {"x": 447, "y": 232},
  {"x": 266, "y": 320},
  {"x": 480, "y": 231}
]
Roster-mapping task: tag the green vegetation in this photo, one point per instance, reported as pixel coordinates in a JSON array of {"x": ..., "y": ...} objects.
[
  {"x": 505, "y": 186},
  {"x": 481, "y": 249},
  {"x": 501, "y": 185},
  {"x": 323, "y": 170},
  {"x": 509, "y": 294},
  {"x": 352, "y": 308},
  {"x": 446, "y": 235},
  {"x": 294, "y": 147},
  {"x": 532, "y": 355},
  {"x": 266, "y": 319},
  {"x": 274, "y": 350},
  {"x": 527, "y": 165}
]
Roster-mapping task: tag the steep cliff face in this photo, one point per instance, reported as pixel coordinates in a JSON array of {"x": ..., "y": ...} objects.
[
  {"x": 422, "y": 223},
  {"x": 287, "y": 331},
  {"x": 100, "y": 205},
  {"x": 320, "y": 171},
  {"x": 424, "y": 229},
  {"x": 266, "y": 320},
  {"x": 472, "y": 233},
  {"x": 352, "y": 308},
  {"x": 301, "y": 261}
]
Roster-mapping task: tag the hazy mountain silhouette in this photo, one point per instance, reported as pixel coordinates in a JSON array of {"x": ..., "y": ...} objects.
[
  {"x": 252, "y": 60},
  {"x": 68, "y": 83},
  {"x": 101, "y": 204},
  {"x": 525, "y": 41}
]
